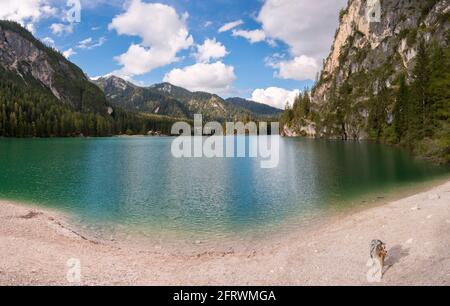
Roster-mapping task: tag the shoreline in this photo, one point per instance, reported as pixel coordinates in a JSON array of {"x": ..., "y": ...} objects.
[{"x": 37, "y": 243}]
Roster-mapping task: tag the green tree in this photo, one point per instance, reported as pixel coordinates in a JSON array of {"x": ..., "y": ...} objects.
[
  {"x": 342, "y": 107},
  {"x": 420, "y": 108},
  {"x": 378, "y": 112},
  {"x": 400, "y": 109}
]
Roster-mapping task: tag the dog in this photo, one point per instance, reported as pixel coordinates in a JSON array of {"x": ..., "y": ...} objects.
[{"x": 378, "y": 252}]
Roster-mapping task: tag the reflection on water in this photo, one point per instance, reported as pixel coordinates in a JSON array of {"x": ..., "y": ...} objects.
[{"x": 136, "y": 183}]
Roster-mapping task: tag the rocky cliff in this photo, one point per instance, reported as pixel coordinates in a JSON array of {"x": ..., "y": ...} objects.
[
  {"x": 376, "y": 50},
  {"x": 386, "y": 78},
  {"x": 38, "y": 65},
  {"x": 369, "y": 54}
]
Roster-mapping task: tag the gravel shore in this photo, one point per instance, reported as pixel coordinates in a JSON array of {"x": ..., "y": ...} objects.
[{"x": 38, "y": 247}]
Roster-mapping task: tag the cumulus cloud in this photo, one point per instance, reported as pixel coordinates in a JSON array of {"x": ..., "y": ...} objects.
[
  {"x": 139, "y": 60},
  {"x": 60, "y": 28},
  {"x": 215, "y": 78},
  {"x": 26, "y": 12},
  {"x": 163, "y": 32},
  {"x": 205, "y": 76},
  {"x": 210, "y": 49},
  {"x": 306, "y": 26},
  {"x": 253, "y": 36},
  {"x": 274, "y": 96},
  {"x": 231, "y": 25},
  {"x": 69, "y": 53},
  {"x": 299, "y": 68}
]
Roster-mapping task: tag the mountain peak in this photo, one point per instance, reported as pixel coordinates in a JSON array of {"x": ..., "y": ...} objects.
[
  {"x": 164, "y": 87},
  {"x": 114, "y": 81}
]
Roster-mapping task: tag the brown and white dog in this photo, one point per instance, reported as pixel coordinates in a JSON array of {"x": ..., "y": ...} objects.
[{"x": 378, "y": 252}]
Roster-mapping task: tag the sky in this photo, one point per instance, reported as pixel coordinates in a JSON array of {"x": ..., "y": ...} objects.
[{"x": 265, "y": 50}]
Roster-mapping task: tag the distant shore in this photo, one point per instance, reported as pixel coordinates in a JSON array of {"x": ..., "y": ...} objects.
[{"x": 36, "y": 248}]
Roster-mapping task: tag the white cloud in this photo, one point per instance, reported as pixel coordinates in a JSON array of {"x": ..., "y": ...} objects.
[
  {"x": 215, "y": 78},
  {"x": 139, "y": 60},
  {"x": 274, "y": 96},
  {"x": 307, "y": 27},
  {"x": 25, "y": 12},
  {"x": 84, "y": 43},
  {"x": 89, "y": 43},
  {"x": 299, "y": 68},
  {"x": 60, "y": 28},
  {"x": 231, "y": 25},
  {"x": 48, "y": 41},
  {"x": 211, "y": 49},
  {"x": 253, "y": 36},
  {"x": 69, "y": 53},
  {"x": 163, "y": 32}
]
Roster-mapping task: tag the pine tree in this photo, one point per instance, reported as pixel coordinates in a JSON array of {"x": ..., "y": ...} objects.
[
  {"x": 288, "y": 115},
  {"x": 420, "y": 112},
  {"x": 378, "y": 112},
  {"x": 306, "y": 104},
  {"x": 400, "y": 109},
  {"x": 342, "y": 107}
]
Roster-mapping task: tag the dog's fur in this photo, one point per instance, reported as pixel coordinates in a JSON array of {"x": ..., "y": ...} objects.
[{"x": 378, "y": 252}]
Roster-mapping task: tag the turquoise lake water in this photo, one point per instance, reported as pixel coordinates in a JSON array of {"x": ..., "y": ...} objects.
[{"x": 136, "y": 183}]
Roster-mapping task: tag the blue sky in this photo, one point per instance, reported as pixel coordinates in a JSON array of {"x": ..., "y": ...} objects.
[{"x": 274, "y": 50}]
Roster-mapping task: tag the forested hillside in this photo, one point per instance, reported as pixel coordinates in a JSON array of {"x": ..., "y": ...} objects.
[
  {"x": 44, "y": 95},
  {"x": 173, "y": 101}
]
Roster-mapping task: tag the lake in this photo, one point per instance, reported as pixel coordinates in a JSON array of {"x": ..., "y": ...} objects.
[{"x": 134, "y": 183}]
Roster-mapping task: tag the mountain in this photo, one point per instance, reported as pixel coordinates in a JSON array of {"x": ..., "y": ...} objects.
[
  {"x": 23, "y": 55},
  {"x": 255, "y": 107},
  {"x": 125, "y": 94},
  {"x": 162, "y": 99},
  {"x": 43, "y": 94},
  {"x": 211, "y": 106},
  {"x": 386, "y": 80},
  {"x": 173, "y": 101}
]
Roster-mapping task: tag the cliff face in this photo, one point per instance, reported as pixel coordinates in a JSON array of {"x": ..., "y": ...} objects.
[
  {"x": 364, "y": 44},
  {"x": 387, "y": 78},
  {"x": 35, "y": 64},
  {"x": 369, "y": 54}
]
